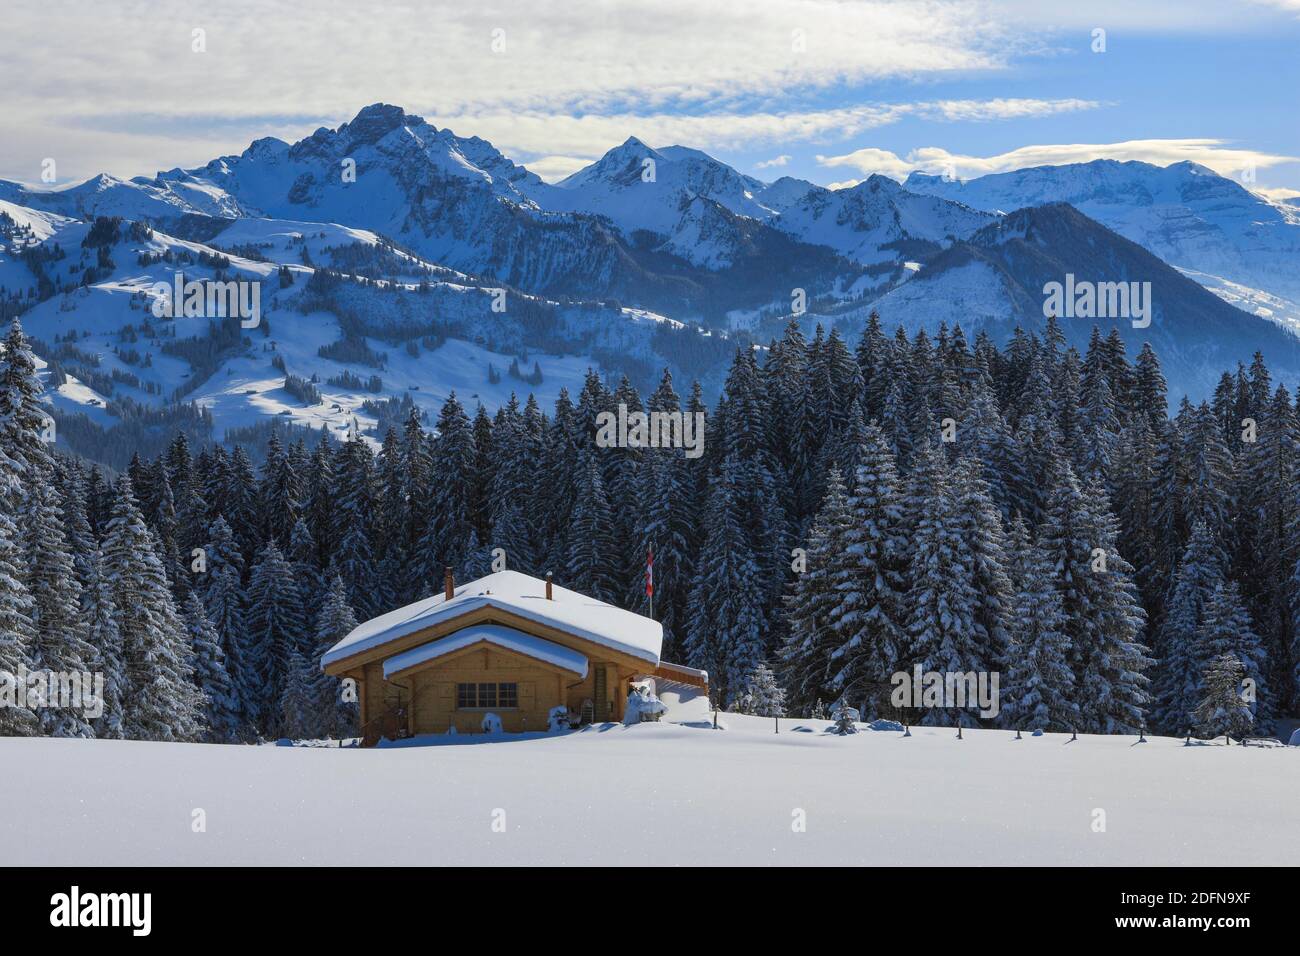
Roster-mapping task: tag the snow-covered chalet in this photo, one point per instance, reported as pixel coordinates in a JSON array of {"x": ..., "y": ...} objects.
[{"x": 507, "y": 644}]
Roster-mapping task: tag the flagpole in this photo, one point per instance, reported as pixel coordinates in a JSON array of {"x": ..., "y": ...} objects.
[{"x": 650, "y": 581}]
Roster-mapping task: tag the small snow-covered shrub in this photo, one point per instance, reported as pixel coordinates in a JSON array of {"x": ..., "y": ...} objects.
[
  {"x": 558, "y": 719},
  {"x": 845, "y": 717},
  {"x": 1295, "y": 738},
  {"x": 491, "y": 723},
  {"x": 643, "y": 705},
  {"x": 883, "y": 724},
  {"x": 1222, "y": 709},
  {"x": 763, "y": 696}
]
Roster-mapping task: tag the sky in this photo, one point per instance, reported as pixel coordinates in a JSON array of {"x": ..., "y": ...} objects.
[{"x": 825, "y": 90}]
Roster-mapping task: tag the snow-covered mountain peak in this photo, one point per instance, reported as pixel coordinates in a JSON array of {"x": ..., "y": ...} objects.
[
  {"x": 621, "y": 166},
  {"x": 1185, "y": 213}
]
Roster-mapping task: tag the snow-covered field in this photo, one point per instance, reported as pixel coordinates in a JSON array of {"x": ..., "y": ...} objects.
[{"x": 660, "y": 794}]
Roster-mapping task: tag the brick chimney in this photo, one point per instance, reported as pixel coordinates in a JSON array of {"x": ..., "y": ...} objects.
[
  {"x": 449, "y": 584},
  {"x": 549, "y": 595}
]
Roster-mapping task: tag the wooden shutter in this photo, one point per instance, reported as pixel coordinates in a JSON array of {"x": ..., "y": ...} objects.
[{"x": 527, "y": 695}]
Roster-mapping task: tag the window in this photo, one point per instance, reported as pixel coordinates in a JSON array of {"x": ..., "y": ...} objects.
[{"x": 485, "y": 695}]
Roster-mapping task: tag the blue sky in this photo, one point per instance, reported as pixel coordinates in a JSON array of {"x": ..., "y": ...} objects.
[{"x": 828, "y": 90}]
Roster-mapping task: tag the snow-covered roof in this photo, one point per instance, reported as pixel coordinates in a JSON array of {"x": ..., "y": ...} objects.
[
  {"x": 519, "y": 594},
  {"x": 505, "y": 637}
]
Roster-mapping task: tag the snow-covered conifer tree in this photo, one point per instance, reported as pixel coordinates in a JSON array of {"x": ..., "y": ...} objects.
[
  {"x": 354, "y": 513},
  {"x": 334, "y": 716},
  {"x": 60, "y": 644},
  {"x": 162, "y": 703},
  {"x": 593, "y": 558},
  {"x": 943, "y": 634},
  {"x": 1221, "y": 709},
  {"x": 17, "y": 635},
  {"x": 220, "y": 706},
  {"x": 1226, "y": 629},
  {"x": 100, "y": 616},
  {"x": 763, "y": 696},
  {"x": 813, "y": 603},
  {"x": 869, "y": 580},
  {"x": 297, "y": 721},
  {"x": 725, "y": 634},
  {"x": 1178, "y": 673},
  {"x": 275, "y": 629},
  {"x": 1037, "y": 685}
]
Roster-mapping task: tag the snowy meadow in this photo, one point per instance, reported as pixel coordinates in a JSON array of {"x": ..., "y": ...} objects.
[{"x": 657, "y": 795}]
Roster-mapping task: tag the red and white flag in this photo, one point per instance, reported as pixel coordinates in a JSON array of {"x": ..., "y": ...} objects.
[{"x": 650, "y": 572}]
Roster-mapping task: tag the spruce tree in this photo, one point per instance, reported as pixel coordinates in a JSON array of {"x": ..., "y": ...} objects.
[
  {"x": 275, "y": 631},
  {"x": 100, "y": 615},
  {"x": 60, "y": 645},
  {"x": 163, "y": 703},
  {"x": 221, "y": 717},
  {"x": 335, "y": 716},
  {"x": 354, "y": 516},
  {"x": 870, "y": 579},
  {"x": 813, "y": 604},
  {"x": 1226, "y": 629},
  {"x": 1179, "y": 668},
  {"x": 1037, "y": 686},
  {"x": 1221, "y": 709},
  {"x": 725, "y": 633},
  {"x": 297, "y": 722},
  {"x": 943, "y": 632},
  {"x": 452, "y": 493},
  {"x": 763, "y": 695},
  {"x": 593, "y": 556},
  {"x": 17, "y": 635}
]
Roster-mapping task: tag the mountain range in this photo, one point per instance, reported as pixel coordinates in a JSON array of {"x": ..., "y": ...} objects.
[{"x": 418, "y": 261}]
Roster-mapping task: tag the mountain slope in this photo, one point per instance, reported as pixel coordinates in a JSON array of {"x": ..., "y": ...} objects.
[
  {"x": 995, "y": 281},
  {"x": 1186, "y": 214},
  {"x": 350, "y": 328},
  {"x": 394, "y": 231},
  {"x": 876, "y": 220}
]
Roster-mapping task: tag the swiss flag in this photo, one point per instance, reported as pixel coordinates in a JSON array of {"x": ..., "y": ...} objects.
[{"x": 650, "y": 572}]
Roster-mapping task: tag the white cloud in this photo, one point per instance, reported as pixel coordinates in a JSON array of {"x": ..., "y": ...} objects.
[
  {"x": 589, "y": 65},
  {"x": 554, "y": 168},
  {"x": 552, "y": 144},
  {"x": 774, "y": 163},
  {"x": 262, "y": 59},
  {"x": 589, "y": 136},
  {"x": 870, "y": 160},
  {"x": 1211, "y": 153},
  {"x": 1124, "y": 17},
  {"x": 1287, "y": 6},
  {"x": 1277, "y": 193}
]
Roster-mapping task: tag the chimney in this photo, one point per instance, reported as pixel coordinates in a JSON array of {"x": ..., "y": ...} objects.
[
  {"x": 450, "y": 584},
  {"x": 549, "y": 596}
]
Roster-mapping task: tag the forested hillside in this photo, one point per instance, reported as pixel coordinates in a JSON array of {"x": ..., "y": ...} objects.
[{"x": 914, "y": 501}]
